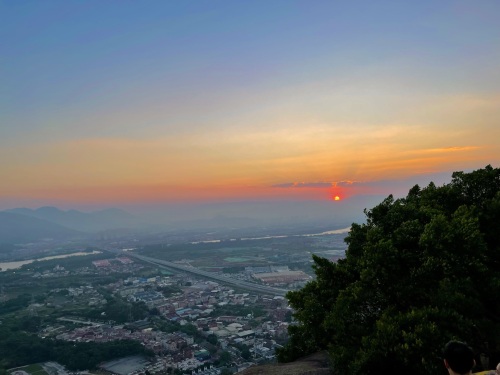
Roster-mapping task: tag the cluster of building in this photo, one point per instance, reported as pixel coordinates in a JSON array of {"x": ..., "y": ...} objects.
[
  {"x": 119, "y": 264},
  {"x": 57, "y": 271},
  {"x": 182, "y": 300},
  {"x": 178, "y": 345},
  {"x": 99, "y": 267},
  {"x": 138, "y": 365},
  {"x": 273, "y": 276}
]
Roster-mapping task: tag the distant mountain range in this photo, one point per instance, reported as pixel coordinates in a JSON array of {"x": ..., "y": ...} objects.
[
  {"x": 245, "y": 214},
  {"x": 96, "y": 221},
  {"x": 16, "y": 228},
  {"x": 56, "y": 223},
  {"x": 24, "y": 224}
]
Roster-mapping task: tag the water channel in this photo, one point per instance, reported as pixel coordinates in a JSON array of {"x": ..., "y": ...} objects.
[{"x": 14, "y": 265}]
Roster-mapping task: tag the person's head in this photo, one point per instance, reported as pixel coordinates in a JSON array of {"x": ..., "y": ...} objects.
[{"x": 458, "y": 357}]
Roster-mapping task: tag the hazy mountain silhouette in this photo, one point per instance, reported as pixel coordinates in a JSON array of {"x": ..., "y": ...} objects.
[
  {"x": 17, "y": 228},
  {"x": 211, "y": 216},
  {"x": 111, "y": 218},
  {"x": 227, "y": 215}
]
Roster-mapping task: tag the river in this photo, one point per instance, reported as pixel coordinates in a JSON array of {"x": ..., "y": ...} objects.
[
  {"x": 14, "y": 265},
  {"x": 327, "y": 233}
]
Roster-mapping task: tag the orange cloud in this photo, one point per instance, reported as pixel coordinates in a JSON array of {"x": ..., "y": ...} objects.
[{"x": 451, "y": 149}]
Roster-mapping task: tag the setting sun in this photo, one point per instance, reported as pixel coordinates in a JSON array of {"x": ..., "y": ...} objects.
[{"x": 336, "y": 198}]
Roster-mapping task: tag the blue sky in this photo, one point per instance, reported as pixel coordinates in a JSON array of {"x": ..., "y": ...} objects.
[{"x": 126, "y": 93}]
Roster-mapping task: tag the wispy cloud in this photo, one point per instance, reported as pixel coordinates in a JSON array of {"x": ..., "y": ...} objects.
[
  {"x": 320, "y": 185},
  {"x": 451, "y": 149},
  {"x": 303, "y": 185}
]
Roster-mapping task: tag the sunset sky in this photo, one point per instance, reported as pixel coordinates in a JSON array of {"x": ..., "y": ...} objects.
[{"x": 113, "y": 102}]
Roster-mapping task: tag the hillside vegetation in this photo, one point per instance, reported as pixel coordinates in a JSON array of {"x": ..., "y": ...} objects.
[{"x": 421, "y": 271}]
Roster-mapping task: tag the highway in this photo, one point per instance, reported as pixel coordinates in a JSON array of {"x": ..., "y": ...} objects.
[{"x": 225, "y": 280}]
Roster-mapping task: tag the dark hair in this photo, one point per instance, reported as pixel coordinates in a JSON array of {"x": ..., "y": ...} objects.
[{"x": 459, "y": 356}]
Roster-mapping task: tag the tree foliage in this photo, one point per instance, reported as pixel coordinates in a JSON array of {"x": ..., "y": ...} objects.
[
  {"x": 212, "y": 339},
  {"x": 18, "y": 303},
  {"x": 119, "y": 310},
  {"x": 421, "y": 271},
  {"x": 224, "y": 358},
  {"x": 19, "y": 347},
  {"x": 22, "y": 349}
]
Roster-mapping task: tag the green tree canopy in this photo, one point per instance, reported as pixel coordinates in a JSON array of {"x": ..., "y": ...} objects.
[{"x": 421, "y": 271}]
